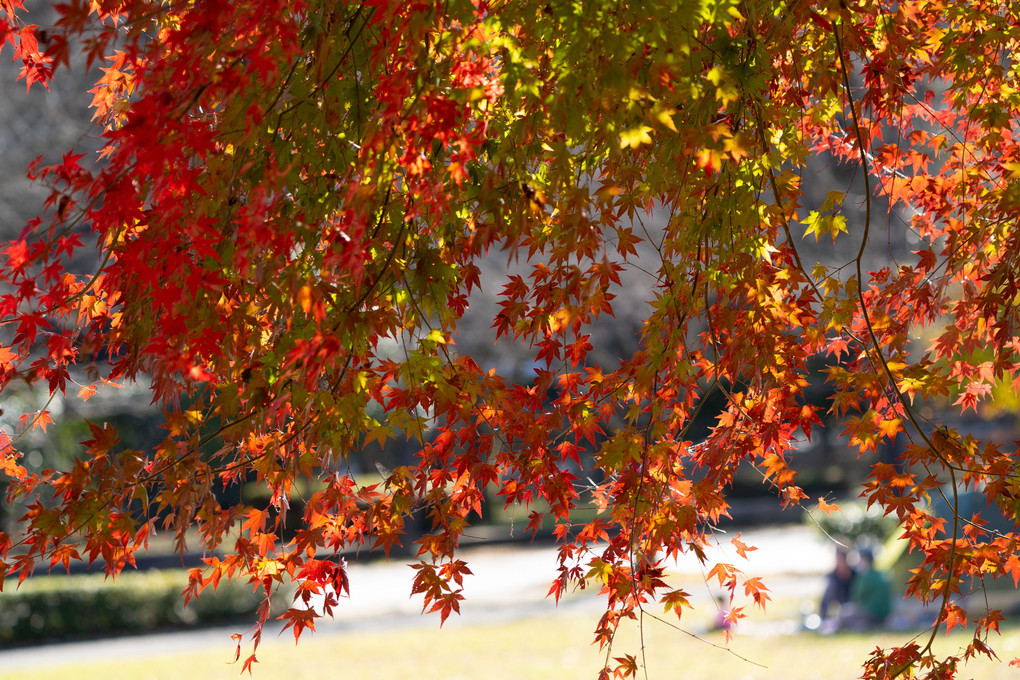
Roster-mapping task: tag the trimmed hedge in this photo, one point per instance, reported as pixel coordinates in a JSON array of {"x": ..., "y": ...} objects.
[{"x": 47, "y": 608}]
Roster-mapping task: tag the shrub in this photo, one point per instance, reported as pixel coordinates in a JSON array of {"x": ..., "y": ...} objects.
[
  {"x": 857, "y": 523},
  {"x": 62, "y": 607}
]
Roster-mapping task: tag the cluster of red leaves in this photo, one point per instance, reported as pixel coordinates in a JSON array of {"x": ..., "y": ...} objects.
[{"x": 289, "y": 190}]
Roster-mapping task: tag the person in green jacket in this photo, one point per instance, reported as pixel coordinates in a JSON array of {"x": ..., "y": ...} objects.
[{"x": 870, "y": 592}]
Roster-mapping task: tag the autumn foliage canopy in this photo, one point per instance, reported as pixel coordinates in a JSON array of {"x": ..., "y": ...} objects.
[{"x": 287, "y": 191}]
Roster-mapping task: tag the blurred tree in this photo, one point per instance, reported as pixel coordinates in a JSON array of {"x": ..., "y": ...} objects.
[{"x": 292, "y": 203}]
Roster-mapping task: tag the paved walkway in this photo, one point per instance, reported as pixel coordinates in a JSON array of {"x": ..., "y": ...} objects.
[{"x": 508, "y": 582}]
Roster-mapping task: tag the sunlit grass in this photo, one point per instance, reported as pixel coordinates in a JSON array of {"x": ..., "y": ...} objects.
[{"x": 554, "y": 646}]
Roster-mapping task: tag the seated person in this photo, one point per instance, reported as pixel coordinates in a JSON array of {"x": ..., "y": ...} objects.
[
  {"x": 870, "y": 592},
  {"x": 837, "y": 587}
]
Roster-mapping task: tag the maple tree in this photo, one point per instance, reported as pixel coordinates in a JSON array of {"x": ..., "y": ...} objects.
[{"x": 288, "y": 190}]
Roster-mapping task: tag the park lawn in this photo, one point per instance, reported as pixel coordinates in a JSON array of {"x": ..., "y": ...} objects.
[{"x": 555, "y": 646}]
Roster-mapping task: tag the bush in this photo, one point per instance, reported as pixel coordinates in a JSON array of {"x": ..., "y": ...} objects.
[
  {"x": 857, "y": 523},
  {"x": 62, "y": 607}
]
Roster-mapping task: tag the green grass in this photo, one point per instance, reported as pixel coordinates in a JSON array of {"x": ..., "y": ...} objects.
[{"x": 556, "y": 646}]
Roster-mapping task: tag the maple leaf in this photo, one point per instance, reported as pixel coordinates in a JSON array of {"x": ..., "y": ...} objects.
[
  {"x": 17, "y": 254},
  {"x": 298, "y": 620},
  {"x": 9, "y": 465},
  {"x": 9, "y": 6},
  {"x": 246, "y": 667},
  {"x": 676, "y": 601},
  {"x": 826, "y": 507},
  {"x": 1012, "y": 567},
  {"x": 104, "y": 437},
  {"x": 742, "y": 548},
  {"x": 41, "y": 420},
  {"x": 756, "y": 590},
  {"x": 725, "y": 574},
  {"x": 837, "y": 346},
  {"x": 7, "y": 358},
  {"x": 953, "y": 615}
]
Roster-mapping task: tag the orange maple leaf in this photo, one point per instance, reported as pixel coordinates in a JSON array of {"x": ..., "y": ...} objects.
[{"x": 826, "y": 507}]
